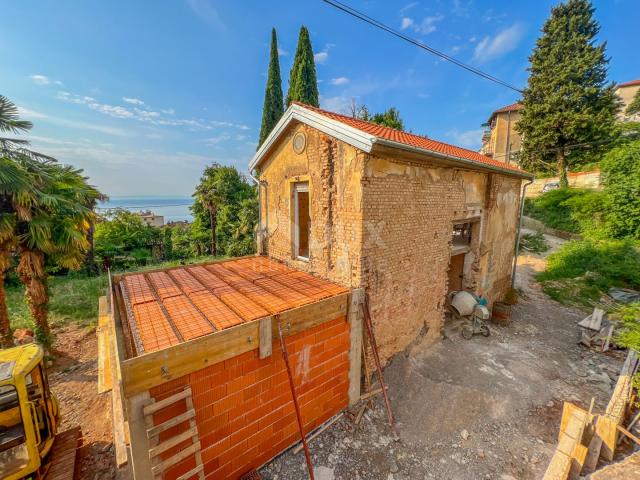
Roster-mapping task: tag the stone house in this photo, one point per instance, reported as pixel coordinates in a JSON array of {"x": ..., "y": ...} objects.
[
  {"x": 626, "y": 91},
  {"x": 502, "y": 141},
  {"x": 406, "y": 217}
]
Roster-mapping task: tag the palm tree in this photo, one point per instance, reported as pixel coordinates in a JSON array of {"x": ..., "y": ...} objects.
[
  {"x": 57, "y": 230},
  {"x": 43, "y": 213},
  {"x": 209, "y": 195},
  {"x": 18, "y": 191}
]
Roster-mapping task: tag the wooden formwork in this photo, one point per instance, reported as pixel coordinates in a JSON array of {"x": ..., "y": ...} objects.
[{"x": 131, "y": 379}]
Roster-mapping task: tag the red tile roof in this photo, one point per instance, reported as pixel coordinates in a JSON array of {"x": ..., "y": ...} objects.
[
  {"x": 413, "y": 140},
  {"x": 632, "y": 83},
  {"x": 180, "y": 304},
  {"x": 509, "y": 108}
]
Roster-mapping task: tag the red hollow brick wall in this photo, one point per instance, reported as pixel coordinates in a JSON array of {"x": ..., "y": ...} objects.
[{"x": 244, "y": 408}]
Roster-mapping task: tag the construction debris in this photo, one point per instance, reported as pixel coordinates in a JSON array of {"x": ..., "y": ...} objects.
[
  {"x": 596, "y": 330},
  {"x": 624, "y": 295},
  {"x": 585, "y": 437}
]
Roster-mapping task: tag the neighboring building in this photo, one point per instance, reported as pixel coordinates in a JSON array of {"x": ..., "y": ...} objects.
[
  {"x": 151, "y": 218},
  {"x": 406, "y": 217},
  {"x": 501, "y": 141},
  {"x": 626, "y": 92}
]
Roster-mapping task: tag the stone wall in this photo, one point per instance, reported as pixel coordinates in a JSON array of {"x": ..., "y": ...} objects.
[{"x": 576, "y": 180}]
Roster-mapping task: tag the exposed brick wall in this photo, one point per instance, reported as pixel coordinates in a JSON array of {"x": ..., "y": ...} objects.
[
  {"x": 244, "y": 409},
  {"x": 385, "y": 221},
  {"x": 333, "y": 170}
]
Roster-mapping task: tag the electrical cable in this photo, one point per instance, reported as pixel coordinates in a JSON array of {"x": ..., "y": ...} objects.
[{"x": 371, "y": 21}]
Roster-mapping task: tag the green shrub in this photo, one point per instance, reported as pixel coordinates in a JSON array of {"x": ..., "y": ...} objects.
[
  {"x": 621, "y": 177},
  {"x": 574, "y": 210},
  {"x": 629, "y": 334},
  {"x": 580, "y": 271},
  {"x": 533, "y": 242}
]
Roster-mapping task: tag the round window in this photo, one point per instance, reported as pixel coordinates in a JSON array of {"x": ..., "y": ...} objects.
[{"x": 299, "y": 142}]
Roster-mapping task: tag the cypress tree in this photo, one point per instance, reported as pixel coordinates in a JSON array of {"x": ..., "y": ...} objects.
[
  {"x": 273, "y": 101},
  {"x": 567, "y": 102},
  {"x": 303, "y": 84}
]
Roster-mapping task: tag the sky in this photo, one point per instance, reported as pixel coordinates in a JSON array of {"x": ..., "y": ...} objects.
[{"x": 144, "y": 94}]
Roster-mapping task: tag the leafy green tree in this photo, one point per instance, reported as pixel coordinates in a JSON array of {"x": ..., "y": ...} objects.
[
  {"x": 389, "y": 118},
  {"x": 123, "y": 236},
  {"x": 621, "y": 177},
  {"x": 273, "y": 101},
  {"x": 303, "y": 84},
  {"x": 219, "y": 200},
  {"x": 634, "y": 107},
  {"x": 568, "y": 104}
]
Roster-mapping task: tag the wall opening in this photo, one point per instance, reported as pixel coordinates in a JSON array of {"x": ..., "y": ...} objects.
[
  {"x": 456, "y": 272},
  {"x": 302, "y": 220}
]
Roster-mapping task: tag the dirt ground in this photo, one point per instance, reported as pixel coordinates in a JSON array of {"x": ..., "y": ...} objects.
[
  {"x": 471, "y": 409},
  {"x": 465, "y": 409},
  {"x": 74, "y": 381}
]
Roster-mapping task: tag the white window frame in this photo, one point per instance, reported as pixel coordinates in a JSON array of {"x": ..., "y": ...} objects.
[{"x": 301, "y": 187}]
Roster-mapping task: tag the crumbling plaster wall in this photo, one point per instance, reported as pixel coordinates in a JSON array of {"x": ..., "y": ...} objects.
[
  {"x": 410, "y": 208},
  {"x": 333, "y": 170}
]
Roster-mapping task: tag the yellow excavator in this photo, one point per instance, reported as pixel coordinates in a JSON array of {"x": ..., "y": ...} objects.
[{"x": 30, "y": 446}]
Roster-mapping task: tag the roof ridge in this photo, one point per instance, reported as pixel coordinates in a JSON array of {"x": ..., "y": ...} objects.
[{"x": 377, "y": 125}]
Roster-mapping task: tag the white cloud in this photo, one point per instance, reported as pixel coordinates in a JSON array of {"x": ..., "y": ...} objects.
[
  {"x": 282, "y": 52},
  {"x": 321, "y": 57},
  {"x": 426, "y": 26},
  {"x": 504, "y": 42},
  {"x": 145, "y": 114},
  {"x": 470, "y": 139},
  {"x": 27, "y": 114},
  {"x": 43, "y": 80},
  {"x": 207, "y": 13},
  {"x": 133, "y": 101},
  {"x": 339, "y": 81},
  {"x": 407, "y": 7},
  {"x": 406, "y": 23},
  {"x": 217, "y": 139}
]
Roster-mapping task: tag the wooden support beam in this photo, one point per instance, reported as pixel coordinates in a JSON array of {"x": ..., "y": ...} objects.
[
  {"x": 139, "y": 443},
  {"x": 266, "y": 341},
  {"x": 356, "y": 314},
  {"x": 104, "y": 346},
  {"x": 142, "y": 373}
]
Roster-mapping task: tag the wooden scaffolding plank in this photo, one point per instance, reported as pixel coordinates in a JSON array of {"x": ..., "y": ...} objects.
[
  {"x": 178, "y": 457},
  {"x": 172, "y": 442},
  {"x": 165, "y": 402},
  {"x": 198, "y": 470},
  {"x": 104, "y": 346},
  {"x": 158, "y": 429}
]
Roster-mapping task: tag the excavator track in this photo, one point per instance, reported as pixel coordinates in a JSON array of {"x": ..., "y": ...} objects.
[{"x": 62, "y": 460}]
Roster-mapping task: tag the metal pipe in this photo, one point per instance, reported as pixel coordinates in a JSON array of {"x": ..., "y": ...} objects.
[
  {"x": 259, "y": 183},
  {"x": 285, "y": 356},
  {"x": 374, "y": 348},
  {"x": 517, "y": 245}
]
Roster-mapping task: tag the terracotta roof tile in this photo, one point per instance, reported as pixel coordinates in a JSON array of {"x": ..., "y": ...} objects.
[
  {"x": 413, "y": 140},
  {"x": 632, "y": 83}
]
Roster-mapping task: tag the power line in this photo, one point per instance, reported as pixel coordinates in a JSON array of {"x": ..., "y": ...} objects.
[{"x": 371, "y": 21}]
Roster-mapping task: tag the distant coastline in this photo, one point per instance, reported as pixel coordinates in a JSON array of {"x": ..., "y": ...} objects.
[{"x": 174, "y": 208}]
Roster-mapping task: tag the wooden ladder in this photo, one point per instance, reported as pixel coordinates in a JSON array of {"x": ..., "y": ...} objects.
[{"x": 159, "y": 466}]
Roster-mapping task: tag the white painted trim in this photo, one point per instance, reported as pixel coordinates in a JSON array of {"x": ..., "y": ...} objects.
[
  {"x": 339, "y": 130},
  {"x": 358, "y": 139}
]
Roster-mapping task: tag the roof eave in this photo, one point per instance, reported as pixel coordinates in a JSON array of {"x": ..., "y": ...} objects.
[
  {"x": 347, "y": 134},
  {"x": 470, "y": 163}
]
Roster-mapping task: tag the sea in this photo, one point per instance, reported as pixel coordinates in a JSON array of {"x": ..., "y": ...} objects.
[{"x": 172, "y": 208}]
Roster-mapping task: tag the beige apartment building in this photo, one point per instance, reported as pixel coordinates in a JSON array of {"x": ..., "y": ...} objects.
[
  {"x": 501, "y": 141},
  {"x": 626, "y": 92}
]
